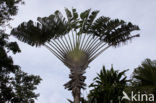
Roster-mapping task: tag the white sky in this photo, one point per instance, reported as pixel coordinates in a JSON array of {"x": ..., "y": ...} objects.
[{"x": 41, "y": 62}]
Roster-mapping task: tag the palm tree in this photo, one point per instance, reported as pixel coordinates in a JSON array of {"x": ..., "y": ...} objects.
[
  {"x": 76, "y": 40},
  {"x": 144, "y": 76},
  {"x": 108, "y": 86}
]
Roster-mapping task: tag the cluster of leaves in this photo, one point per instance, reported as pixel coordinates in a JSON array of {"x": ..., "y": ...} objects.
[
  {"x": 16, "y": 86},
  {"x": 144, "y": 77},
  {"x": 145, "y": 74},
  {"x": 45, "y": 29},
  {"x": 113, "y": 32},
  {"x": 8, "y": 8},
  {"x": 108, "y": 86}
]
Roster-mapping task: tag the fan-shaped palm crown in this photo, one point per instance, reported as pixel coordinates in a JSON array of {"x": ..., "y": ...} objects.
[{"x": 76, "y": 40}]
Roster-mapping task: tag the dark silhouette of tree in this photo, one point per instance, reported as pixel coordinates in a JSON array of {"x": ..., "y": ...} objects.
[
  {"x": 76, "y": 40},
  {"x": 16, "y": 86},
  {"x": 108, "y": 87},
  {"x": 144, "y": 77},
  {"x": 145, "y": 74},
  {"x": 8, "y": 8}
]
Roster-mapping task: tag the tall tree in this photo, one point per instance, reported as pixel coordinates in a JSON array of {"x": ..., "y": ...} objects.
[
  {"x": 76, "y": 41},
  {"x": 16, "y": 86}
]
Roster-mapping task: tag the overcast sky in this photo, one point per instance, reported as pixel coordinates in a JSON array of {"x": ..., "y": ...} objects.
[{"x": 40, "y": 61}]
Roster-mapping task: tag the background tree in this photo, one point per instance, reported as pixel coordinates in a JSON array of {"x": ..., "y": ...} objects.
[
  {"x": 76, "y": 40},
  {"x": 108, "y": 87},
  {"x": 144, "y": 77},
  {"x": 8, "y": 8},
  {"x": 16, "y": 86}
]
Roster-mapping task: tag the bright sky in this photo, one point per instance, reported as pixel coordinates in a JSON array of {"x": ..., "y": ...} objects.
[{"x": 40, "y": 61}]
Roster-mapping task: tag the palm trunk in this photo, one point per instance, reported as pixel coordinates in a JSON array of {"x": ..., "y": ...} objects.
[
  {"x": 77, "y": 96},
  {"x": 76, "y": 83}
]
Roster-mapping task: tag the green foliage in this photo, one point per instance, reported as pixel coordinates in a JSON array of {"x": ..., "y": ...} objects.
[
  {"x": 25, "y": 85},
  {"x": 145, "y": 74},
  {"x": 5, "y": 60},
  {"x": 144, "y": 77},
  {"x": 112, "y": 32},
  {"x": 108, "y": 86},
  {"x": 8, "y": 8},
  {"x": 42, "y": 31},
  {"x": 16, "y": 86}
]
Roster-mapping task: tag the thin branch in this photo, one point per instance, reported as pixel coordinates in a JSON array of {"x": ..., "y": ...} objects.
[
  {"x": 70, "y": 42},
  {"x": 61, "y": 46},
  {"x": 56, "y": 48},
  {"x": 94, "y": 47},
  {"x": 99, "y": 53},
  {"x": 73, "y": 40},
  {"x": 65, "y": 45},
  {"x": 86, "y": 42},
  {"x": 57, "y": 55},
  {"x": 70, "y": 48},
  {"x": 92, "y": 44},
  {"x": 96, "y": 50}
]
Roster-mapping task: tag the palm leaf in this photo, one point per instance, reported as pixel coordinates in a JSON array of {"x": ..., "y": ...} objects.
[
  {"x": 38, "y": 33},
  {"x": 146, "y": 73},
  {"x": 113, "y": 32}
]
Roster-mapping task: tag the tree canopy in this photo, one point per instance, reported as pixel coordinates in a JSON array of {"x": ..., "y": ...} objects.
[
  {"x": 144, "y": 77},
  {"x": 145, "y": 73},
  {"x": 114, "y": 32},
  {"x": 8, "y": 8},
  {"x": 16, "y": 86},
  {"x": 108, "y": 86}
]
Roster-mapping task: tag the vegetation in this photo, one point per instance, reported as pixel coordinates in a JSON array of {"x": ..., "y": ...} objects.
[
  {"x": 145, "y": 74},
  {"x": 16, "y": 86},
  {"x": 144, "y": 77},
  {"x": 8, "y": 8},
  {"x": 76, "y": 41},
  {"x": 108, "y": 86}
]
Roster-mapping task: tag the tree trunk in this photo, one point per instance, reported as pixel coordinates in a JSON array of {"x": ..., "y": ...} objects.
[
  {"x": 77, "y": 97},
  {"x": 76, "y": 83}
]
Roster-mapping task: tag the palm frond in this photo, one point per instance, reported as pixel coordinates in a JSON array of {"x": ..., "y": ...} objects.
[
  {"x": 113, "y": 32},
  {"x": 45, "y": 29},
  {"x": 145, "y": 74}
]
